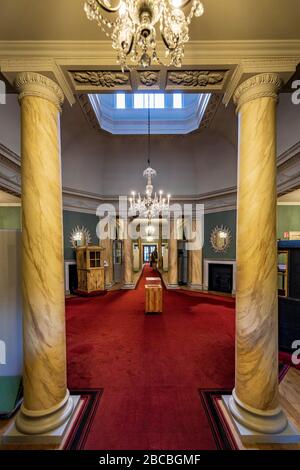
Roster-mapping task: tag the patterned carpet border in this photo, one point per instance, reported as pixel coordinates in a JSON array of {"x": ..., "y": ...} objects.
[
  {"x": 77, "y": 437},
  {"x": 221, "y": 432}
]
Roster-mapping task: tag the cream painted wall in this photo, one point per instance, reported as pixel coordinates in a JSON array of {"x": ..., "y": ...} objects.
[
  {"x": 10, "y": 124},
  {"x": 112, "y": 165},
  {"x": 288, "y": 123}
]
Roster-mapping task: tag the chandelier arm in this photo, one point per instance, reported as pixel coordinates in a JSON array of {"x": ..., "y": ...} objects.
[
  {"x": 130, "y": 47},
  {"x": 135, "y": 29},
  {"x": 109, "y": 9}
]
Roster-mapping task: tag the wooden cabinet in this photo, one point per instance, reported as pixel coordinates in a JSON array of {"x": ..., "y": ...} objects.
[
  {"x": 153, "y": 302},
  {"x": 153, "y": 295},
  {"x": 90, "y": 271}
]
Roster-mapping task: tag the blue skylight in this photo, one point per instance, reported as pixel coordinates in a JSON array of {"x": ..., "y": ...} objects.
[
  {"x": 171, "y": 113},
  {"x": 148, "y": 100}
]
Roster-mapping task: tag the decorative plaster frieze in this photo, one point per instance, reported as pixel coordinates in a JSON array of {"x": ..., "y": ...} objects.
[
  {"x": 149, "y": 78},
  {"x": 34, "y": 84},
  {"x": 101, "y": 79},
  {"x": 196, "y": 79}
]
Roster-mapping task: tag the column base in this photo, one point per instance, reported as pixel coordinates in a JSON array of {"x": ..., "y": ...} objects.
[
  {"x": 109, "y": 285},
  {"x": 258, "y": 428},
  {"x": 172, "y": 286},
  {"x": 196, "y": 286},
  {"x": 50, "y": 429},
  {"x": 128, "y": 286}
]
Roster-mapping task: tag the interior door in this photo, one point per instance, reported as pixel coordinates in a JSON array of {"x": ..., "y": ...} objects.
[{"x": 147, "y": 250}]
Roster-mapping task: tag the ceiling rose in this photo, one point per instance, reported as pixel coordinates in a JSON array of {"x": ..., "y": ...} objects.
[{"x": 135, "y": 25}]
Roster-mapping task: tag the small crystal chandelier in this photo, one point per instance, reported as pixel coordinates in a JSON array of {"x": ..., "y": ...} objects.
[
  {"x": 136, "y": 25},
  {"x": 149, "y": 206}
]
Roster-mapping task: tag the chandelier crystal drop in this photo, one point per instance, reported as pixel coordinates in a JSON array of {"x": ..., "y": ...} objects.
[
  {"x": 149, "y": 206},
  {"x": 136, "y": 25}
]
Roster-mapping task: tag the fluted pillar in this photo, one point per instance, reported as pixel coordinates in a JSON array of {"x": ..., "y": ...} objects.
[
  {"x": 195, "y": 263},
  {"x": 173, "y": 257},
  {"x": 128, "y": 262},
  {"x": 255, "y": 401},
  {"x": 47, "y": 403}
]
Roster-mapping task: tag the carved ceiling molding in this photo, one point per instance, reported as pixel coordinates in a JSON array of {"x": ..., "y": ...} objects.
[
  {"x": 100, "y": 79},
  {"x": 105, "y": 80},
  {"x": 149, "y": 78},
  {"x": 196, "y": 79},
  {"x": 68, "y": 51},
  {"x": 56, "y": 59}
]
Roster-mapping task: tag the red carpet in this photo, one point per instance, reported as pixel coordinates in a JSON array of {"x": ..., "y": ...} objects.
[{"x": 150, "y": 367}]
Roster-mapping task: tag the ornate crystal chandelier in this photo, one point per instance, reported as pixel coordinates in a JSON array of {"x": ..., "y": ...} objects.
[
  {"x": 134, "y": 30},
  {"x": 149, "y": 206}
]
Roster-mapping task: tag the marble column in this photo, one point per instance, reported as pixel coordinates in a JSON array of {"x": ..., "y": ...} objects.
[
  {"x": 128, "y": 261},
  {"x": 255, "y": 402},
  {"x": 195, "y": 264},
  {"x": 173, "y": 257},
  {"x": 47, "y": 403}
]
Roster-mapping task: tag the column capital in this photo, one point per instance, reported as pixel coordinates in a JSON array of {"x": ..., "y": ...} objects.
[
  {"x": 34, "y": 84},
  {"x": 258, "y": 86}
]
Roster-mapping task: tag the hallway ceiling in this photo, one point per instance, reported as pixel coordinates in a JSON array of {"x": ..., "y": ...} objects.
[{"x": 222, "y": 20}]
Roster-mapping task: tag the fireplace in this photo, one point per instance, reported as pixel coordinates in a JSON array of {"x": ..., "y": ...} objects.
[{"x": 220, "y": 277}]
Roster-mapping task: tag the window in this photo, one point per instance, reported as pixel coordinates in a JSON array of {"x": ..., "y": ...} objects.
[
  {"x": 120, "y": 101},
  {"x": 177, "y": 101},
  {"x": 147, "y": 100}
]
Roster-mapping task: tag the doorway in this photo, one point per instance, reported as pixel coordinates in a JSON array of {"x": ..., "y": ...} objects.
[{"x": 147, "y": 250}]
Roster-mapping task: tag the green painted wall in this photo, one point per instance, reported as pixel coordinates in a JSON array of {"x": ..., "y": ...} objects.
[
  {"x": 10, "y": 218},
  {"x": 226, "y": 218},
  {"x": 288, "y": 219},
  {"x": 71, "y": 220}
]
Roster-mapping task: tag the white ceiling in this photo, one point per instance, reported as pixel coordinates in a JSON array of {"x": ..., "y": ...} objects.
[{"x": 222, "y": 20}]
